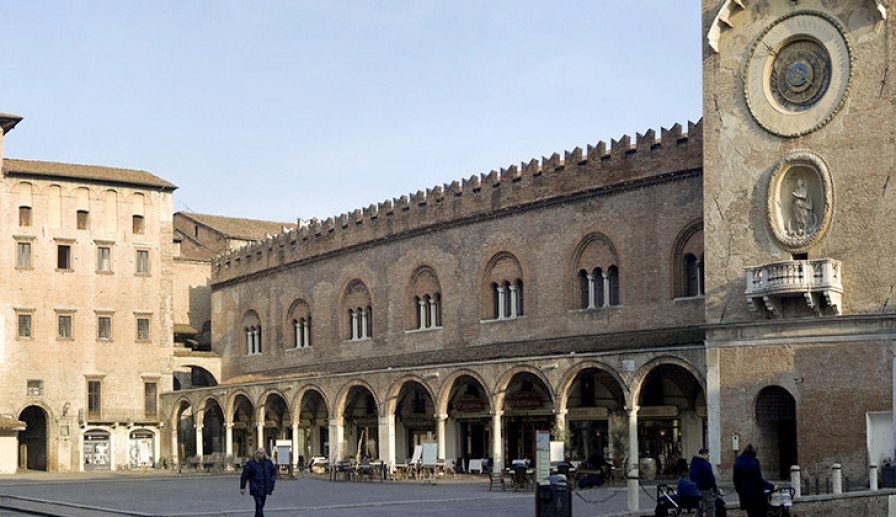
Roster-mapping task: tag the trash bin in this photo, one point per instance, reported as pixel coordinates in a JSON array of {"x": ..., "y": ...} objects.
[
  {"x": 888, "y": 477},
  {"x": 553, "y": 499}
]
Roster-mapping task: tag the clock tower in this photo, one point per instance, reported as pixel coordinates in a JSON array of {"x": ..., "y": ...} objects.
[{"x": 800, "y": 247}]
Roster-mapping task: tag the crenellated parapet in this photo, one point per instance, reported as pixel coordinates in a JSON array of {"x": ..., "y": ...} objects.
[{"x": 598, "y": 168}]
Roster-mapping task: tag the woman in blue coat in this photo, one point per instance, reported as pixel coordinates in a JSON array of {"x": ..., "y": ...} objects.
[
  {"x": 751, "y": 487},
  {"x": 261, "y": 475}
]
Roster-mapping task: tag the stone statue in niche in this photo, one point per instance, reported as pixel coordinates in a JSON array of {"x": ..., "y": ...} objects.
[
  {"x": 803, "y": 220},
  {"x": 799, "y": 200}
]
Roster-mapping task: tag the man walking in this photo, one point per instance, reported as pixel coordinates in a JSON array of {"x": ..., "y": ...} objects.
[
  {"x": 261, "y": 475},
  {"x": 701, "y": 474}
]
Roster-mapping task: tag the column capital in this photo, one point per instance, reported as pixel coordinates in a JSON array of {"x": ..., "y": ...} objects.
[{"x": 440, "y": 418}]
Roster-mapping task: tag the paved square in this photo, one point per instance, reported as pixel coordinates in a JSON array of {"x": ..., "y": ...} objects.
[{"x": 157, "y": 494}]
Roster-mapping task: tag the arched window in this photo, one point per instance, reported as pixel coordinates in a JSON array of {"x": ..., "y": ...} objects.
[
  {"x": 597, "y": 273},
  {"x": 505, "y": 287},
  {"x": 252, "y": 333},
  {"x": 358, "y": 308},
  {"x": 253, "y": 340},
  {"x": 688, "y": 275},
  {"x": 300, "y": 322},
  {"x": 425, "y": 311}
]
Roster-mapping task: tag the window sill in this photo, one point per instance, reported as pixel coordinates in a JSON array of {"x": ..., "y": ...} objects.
[
  {"x": 24, "y": 268},
  {"x": 688, "y": 298},
  {"x": 428, "y": 329},
  {"x": 597, "y": 309},
  {"x": 503, "y": 319}
]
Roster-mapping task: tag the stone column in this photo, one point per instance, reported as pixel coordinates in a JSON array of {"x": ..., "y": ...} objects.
[
  {"x": 440, "y": 435},
  {"x": 713, "y": 406},
  {"x": 295, "y": 445},
  {"x": 502, "y": 303},
  {"x": 175, "y": 449},
  {"x": 433, "y": 313},
  {"x": 497, "y": 442},
  {"x": 514, "y": 301},
  {"x": 632, "y": 472},
  {"x": 560, "y": 426},
  {"x": 228, "y": 442},
  {"x": 591, "y": 291},
  {"x": 199, "y": 451},
  {"x": 386, "y": 427},
  {"x": 337, "y": 432},
  {"x": 606, "y": 279}
]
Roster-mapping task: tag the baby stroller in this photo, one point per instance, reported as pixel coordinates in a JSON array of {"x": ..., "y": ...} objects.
[
  {"x": 780, "y": 500},
  {"x": 668, "y": 502}
]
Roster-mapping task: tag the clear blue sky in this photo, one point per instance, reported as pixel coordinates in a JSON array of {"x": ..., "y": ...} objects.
[{"x": 286, "y": 109}]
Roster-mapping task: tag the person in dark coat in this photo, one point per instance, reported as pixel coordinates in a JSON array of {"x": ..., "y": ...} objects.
[
  {"x": 261, "y": 475},
  {"x": 748, "y": 482},
  {"x": 702, "y": 475}
]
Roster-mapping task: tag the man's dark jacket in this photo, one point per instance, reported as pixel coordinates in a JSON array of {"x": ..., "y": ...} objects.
[
  {"x": 260, "y": 475},
  {"x": 701, "y": 474}
]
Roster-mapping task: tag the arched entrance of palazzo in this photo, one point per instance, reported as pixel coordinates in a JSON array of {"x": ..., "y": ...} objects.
[
  {"x": 671, "y": 418},
  {"x": 776, "y": 423},
  {"x": 360, "y": 424},
  {"x": 414, "y": 420},
  {"x": 469, "y": 420},
  {"x": 276, "y": 420},
  {"x": 213, "y": 430},
  {"x": 528, "y": 407},
  {"x": 596, "y": 422},
  {"x": 32, "y": 441},
  {"x": 313, "y": 439},
  {"x": 185, "y": 426},
  {"x": 243, "y": 431}
]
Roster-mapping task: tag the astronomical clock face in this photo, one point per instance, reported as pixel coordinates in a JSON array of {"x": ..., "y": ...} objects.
[{"x": 797, "y": 74}]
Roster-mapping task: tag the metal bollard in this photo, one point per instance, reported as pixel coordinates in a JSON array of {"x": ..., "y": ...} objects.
[
  {"x": 837, "y": 475},
  {"x": 872, "y": 477},
  {"x": 795, "y": 480}
]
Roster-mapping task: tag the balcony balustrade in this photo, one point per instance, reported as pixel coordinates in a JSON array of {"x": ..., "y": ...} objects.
[{"x": 817, "y": 281}]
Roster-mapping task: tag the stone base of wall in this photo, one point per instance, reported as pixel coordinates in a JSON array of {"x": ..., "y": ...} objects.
[{"x": 880, "y": 503}]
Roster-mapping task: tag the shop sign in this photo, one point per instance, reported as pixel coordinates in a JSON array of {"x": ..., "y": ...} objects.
[
  {"x": 587, "y": 413},
  {"x": 524, "y": 400},
  {"x": 658, "y": 411},
  {"x": 469, "y": 404}
]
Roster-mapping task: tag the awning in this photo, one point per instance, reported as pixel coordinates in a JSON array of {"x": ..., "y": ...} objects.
[
  {"x": 11, "y": 424},
  {"x": 184, "y": 328}
]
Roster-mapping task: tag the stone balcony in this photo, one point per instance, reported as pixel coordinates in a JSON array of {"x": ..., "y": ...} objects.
[{"x": 818, "y": 282}]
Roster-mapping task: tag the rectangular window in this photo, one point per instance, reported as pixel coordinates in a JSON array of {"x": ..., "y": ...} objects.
[
  {"x": 150, "y": 398},
  {"x": 82, "y": 219},
  {"x": 24, "y": 216},
  {"x": 103, "y": 259},
  {"x": 142, "y": 261},
  {"x": 94, "y": 399},
  {"x": 35, "y": 387},
  {"x": 24, "y": 328},
  {"x": 23, "y": 254},
  {"x": 65, "y": 326},
  {"x": 63, "y": 256},
  {"x": 142, "y": 329},
  {"x": 138, "y": 225},
  {"x": 104, "y": 328}
]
